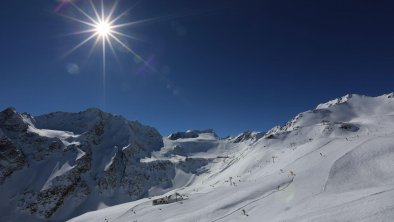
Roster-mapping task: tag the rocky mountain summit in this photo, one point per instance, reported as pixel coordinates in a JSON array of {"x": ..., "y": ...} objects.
[
  {"x": 190, "y": 134},
  {"x": 59, "y": 165}
]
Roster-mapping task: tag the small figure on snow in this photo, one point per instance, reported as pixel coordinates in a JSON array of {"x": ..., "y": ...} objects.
[
  {"x": 244, "y": 212},
  {"x": 273, "y": 158}
]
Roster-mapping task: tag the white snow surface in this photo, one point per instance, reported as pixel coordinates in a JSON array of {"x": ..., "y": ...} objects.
[{"x": 334, "y": 163}]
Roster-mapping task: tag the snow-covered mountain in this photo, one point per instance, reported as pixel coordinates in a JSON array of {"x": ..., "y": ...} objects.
[
  {"x": 332, "y": 163},
  {"x": 60, "y": 165},
  {"x": 335, "y": 162}
]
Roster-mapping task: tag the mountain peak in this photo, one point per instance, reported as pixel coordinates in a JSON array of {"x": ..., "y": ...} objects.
[
  {"x": 192, "y": 134},
  {"x": 93, "y": 110},
  {"x": 336, "y": 101},
  {"x": 389, "y": 95},
  {"x": 351, "y": 97},
  {"x": 9, "y": 110}
]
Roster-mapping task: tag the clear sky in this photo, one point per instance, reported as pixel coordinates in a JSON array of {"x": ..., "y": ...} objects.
[{"x": 230, "y": 65}]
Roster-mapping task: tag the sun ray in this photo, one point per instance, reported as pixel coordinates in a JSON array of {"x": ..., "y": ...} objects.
[
  {"x": 125, "y": 35},
  {"x": 112, "y": 49},
  {"x": 113, "y": 21},
  {"x": 102, "y": 11},
  {"x": 81, "y": 44},
  {"x": 79, "y": 20},
  {"x": 131, "y": 51},
  {"x": 104, "y": 72},
  {"x": 135, "y": 22},
  {"x": 81, "y": 32},
  {"x": 112, "y": 11},
  {"x": 83, "y": 12},
  {"x": 104, "y": 28},
  {"x": 124, "y": 45},
  {"x": 96, "y": 43},
  {"x": 95, "y": 11}
]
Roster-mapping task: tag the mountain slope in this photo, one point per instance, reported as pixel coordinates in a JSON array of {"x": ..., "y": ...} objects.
[
  {"x": 60, "y": 165},
  {"x": 331, "y": 163}
]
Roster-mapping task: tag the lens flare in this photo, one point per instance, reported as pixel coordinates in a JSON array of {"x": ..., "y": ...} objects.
[{"x": 103, "y": 27}]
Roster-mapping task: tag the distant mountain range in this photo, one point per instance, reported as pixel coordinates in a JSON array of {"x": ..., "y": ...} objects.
[{"x": 335, "y": 162}]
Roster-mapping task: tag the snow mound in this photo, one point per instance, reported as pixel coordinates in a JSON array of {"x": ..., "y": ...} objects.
[{"x": 368, "y": 165}]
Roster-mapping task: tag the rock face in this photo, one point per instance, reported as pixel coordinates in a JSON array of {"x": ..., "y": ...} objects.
[
  {"x": 54, "y": 166},
  {"x": 190, "y": 134},
  {"x": 251, "y": 136},
  {"x": 11, "y": 158}
]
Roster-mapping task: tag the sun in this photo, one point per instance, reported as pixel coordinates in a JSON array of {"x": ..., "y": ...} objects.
[
  {"x": 103, "y": 26},
  {"x": 103, "y": 29}
]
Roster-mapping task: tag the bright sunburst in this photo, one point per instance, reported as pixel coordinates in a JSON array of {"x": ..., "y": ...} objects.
[{"x": 103, "y": 27}]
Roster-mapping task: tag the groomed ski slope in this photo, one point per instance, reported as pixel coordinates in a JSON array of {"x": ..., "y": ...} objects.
[{"x": 334, "y": 163}]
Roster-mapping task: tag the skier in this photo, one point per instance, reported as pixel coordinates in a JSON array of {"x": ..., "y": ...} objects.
[{"x": 244, "y": 212}]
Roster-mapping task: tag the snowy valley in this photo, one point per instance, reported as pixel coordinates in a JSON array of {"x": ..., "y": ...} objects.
[{"x": 332, "y": 163}]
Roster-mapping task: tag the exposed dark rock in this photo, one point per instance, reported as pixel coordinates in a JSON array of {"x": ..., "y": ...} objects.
[
  {"x": 252, "y": 136},
  {"x": 189, "y": 134},
  {"x": 11, "y": 158}
]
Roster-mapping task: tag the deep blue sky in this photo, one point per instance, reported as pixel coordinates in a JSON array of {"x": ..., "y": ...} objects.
[{"x": 231, "y": 65}]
